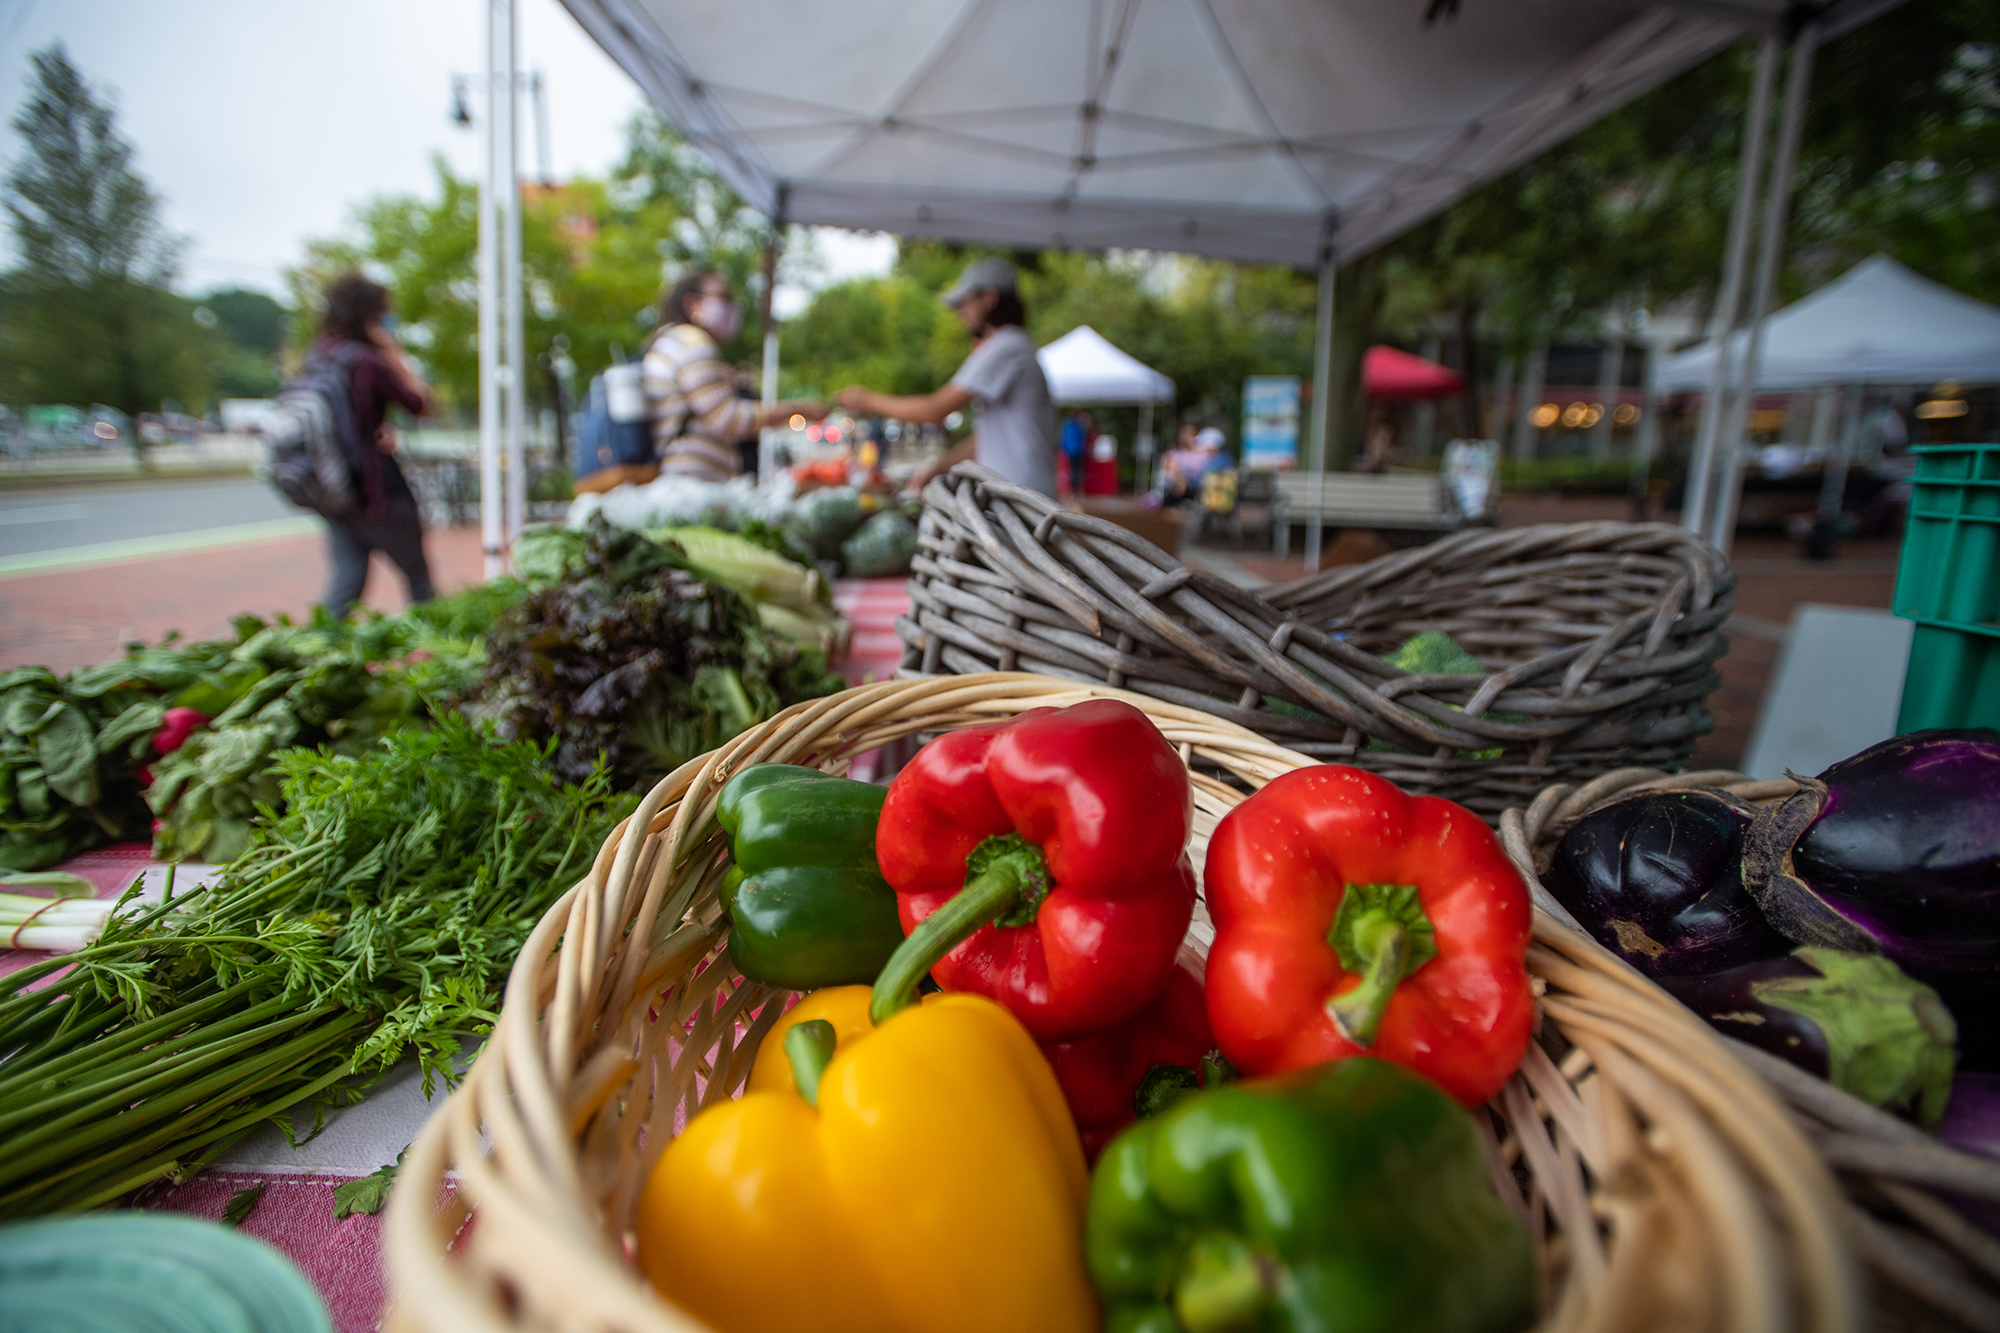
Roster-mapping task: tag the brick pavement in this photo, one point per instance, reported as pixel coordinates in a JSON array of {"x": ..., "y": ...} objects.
[{"x": 71, "y": 618}]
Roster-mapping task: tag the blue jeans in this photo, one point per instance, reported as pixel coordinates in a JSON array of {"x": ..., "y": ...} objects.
[{"x": 399, "y": 535}]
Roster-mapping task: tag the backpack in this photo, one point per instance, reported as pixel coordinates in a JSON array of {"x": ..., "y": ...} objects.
[
  {"x": 614, "y": 429},
  {"x": 309, "y": 443}
]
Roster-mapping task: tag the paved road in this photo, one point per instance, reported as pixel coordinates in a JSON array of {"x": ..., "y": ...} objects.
[{"x": 58, "y": 517}]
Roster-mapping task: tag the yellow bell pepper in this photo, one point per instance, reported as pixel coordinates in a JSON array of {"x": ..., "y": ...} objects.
[{"x": 937, "y": 1183}]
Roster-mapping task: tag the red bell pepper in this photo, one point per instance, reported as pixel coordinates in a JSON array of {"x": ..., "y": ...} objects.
[
  {"x": 1352, "y": 919},
  {"x": 1041, "y": 862},
  {"x": 1101, "y": 1073}
]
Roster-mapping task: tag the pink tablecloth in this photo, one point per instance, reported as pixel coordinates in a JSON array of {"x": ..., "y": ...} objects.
[{"x": 295, "y": 1212}]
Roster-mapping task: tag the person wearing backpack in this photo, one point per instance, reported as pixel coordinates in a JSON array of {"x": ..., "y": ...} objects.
[{"x": 385, "y": 517}]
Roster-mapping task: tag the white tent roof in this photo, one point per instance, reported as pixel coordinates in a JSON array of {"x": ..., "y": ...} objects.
[
  {"x": 1878, "y": 323},
  {"x": 1249, "y": 129},
  {"x": 1083, "y": 366}
]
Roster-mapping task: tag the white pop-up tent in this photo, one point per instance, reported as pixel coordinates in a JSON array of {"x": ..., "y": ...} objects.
[
  {"x": 1298, "y": 132},
  {"x": 1878, "y": 323},
  {"x": 1262, "y": 130},
  {"x": 1083, "y": 366}
]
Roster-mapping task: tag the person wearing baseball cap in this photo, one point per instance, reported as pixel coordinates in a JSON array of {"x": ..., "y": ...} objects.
[{"x": 1016, "y": 434}]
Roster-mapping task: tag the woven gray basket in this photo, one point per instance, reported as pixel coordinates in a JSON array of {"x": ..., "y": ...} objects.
[{"x": 1600, "y": 638}]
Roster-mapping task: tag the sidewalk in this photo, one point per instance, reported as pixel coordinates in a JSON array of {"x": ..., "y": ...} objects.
[{"x": 74, "y": 617}]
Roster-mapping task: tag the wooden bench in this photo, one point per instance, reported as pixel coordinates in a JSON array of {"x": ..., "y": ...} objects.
[{"x": 1410, "y": 502}]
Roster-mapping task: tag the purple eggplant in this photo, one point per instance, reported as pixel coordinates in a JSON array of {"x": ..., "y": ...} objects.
[
  {"x": 1854, "y": 1020},
  {"x": 1972, "y": 1124},
  {"x": 1657, "y": 880},
  {"x": 1897, "y": 851},
  {"x": 1972, "y": 1119}
]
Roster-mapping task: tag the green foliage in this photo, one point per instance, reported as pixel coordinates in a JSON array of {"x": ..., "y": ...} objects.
[
  {"x": 1205, "y": 323},
  {"x": 623, "y": 657},
  {"x": 595, "y": 256},
  {"x": 87, "y": 316},
  {"x": 378, "y": 916}
]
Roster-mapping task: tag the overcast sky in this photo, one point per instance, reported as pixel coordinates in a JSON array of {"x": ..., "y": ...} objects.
[{"x": 264, "y": 122}]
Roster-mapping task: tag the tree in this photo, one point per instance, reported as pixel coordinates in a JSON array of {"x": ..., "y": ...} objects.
[
  {"x": 595, "y": 256},
  {"x": 89, "y": 314},
  {"x": 251, "y": 327},
  {"x": 1898, "y": 155}
]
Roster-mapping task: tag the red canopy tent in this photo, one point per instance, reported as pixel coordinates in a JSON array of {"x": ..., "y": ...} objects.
[{"x": 1393, "y": 376}]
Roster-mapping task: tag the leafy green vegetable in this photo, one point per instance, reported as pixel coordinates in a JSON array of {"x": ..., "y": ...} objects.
[
  {"x": 243, "y": 1203},
  {"x": 378, "y": 915},
  {"x": 331, "y": 682},
  {"x": 881, "y": 547},
  {"x": 632, "y": 658},
  {"x": 366, "y": 1194}
]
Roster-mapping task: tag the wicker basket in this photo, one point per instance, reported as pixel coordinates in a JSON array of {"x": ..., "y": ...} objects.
[
  {"x": 1664, "y": 1184},
  {"x": 1916, "y": 1242},
  {"x": 1602, "y": 637}
]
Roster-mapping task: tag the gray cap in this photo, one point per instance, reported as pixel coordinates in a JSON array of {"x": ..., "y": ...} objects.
[{"x": 992, "y": 271}]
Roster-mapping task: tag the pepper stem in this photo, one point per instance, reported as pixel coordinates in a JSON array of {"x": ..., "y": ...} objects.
[
  {"x": 809, "y": 1048},
  {"x": 1006, "y": 877},
  {"x": 1382, "y": 932},
  {"x": 1222, "y": 1287}
]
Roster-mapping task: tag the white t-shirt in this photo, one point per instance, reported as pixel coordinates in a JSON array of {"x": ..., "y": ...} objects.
[{"x": 1017, "y": 422}]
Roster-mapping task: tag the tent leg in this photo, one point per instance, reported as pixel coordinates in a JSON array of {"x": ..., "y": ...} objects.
[
  {"x": 491, "y": 510},
  {"x": 1728, "y": 303},
  {"x": 515, "y": 376},
  {"x": 1532, "y": 377},
  {"x": 1322, "y": 414},
  {"x": 767, "y": 439},
  {"x": 1610, "y": 368},
  {"x": 1833, "y": 474},
  {"x": 1142, "y": 450},
  {"x": 1770, "y": 253},
  {"x": 1647, "y": 442}
]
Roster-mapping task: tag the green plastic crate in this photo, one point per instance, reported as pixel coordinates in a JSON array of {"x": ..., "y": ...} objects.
[{"x": 1949, "y": 583}]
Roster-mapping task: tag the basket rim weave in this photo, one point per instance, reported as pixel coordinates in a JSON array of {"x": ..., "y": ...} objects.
[
  {"x": 1602, "y": 636},
  {"x": 1649, "y": 1135}
]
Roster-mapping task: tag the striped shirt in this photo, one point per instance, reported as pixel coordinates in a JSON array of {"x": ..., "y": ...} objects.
[{"x": 691, "y": 397}]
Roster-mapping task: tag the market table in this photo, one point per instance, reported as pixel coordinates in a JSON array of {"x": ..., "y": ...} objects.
[{"x": 294, "y": 1212}]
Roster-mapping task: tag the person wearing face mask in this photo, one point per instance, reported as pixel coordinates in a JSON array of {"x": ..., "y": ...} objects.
[
  {"x": 697, "y": 417},
  {"x": 1017, "y": 434}
]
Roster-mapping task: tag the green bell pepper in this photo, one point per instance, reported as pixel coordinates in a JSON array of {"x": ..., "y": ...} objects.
[
  {"x": 1346, "y": 1198},
  {"x": 807, "y": 904}
]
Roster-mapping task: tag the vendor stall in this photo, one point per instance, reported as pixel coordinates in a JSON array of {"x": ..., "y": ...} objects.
[{"x": 1084, "y": 369}]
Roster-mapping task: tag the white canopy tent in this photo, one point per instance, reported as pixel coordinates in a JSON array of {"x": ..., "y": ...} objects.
[
  {"x": 1249, "y": 129},
  {"x": 1083, "y": 366},
  {"x": 1878, "y": 323},
  {"x": 1300, "y": 132}
]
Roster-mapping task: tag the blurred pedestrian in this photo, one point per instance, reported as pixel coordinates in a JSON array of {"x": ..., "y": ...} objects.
[
  {"x": 699, "y": 421},
  {"x": 355, "y": 336},
  {"x": 1016, "y": 435}
]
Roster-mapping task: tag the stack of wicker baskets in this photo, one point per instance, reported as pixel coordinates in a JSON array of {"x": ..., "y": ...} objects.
[
  {"x": 1600, "y": 638},
  {"x": 1665, "y": 1185}
]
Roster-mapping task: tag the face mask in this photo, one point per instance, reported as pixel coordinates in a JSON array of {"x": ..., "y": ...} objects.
[{"x": 720, "y": 316}]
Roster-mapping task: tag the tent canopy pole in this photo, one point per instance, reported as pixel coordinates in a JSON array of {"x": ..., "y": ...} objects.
[
  {"x": 1321, "y": 406},
  {"x": 767, "y": 439},
  {"x": 1770, "y": 256},
  {"x": 514, "y": 374},
  {"x": 1729, "y": 301},
  {"x": 491, "y": 517}
]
